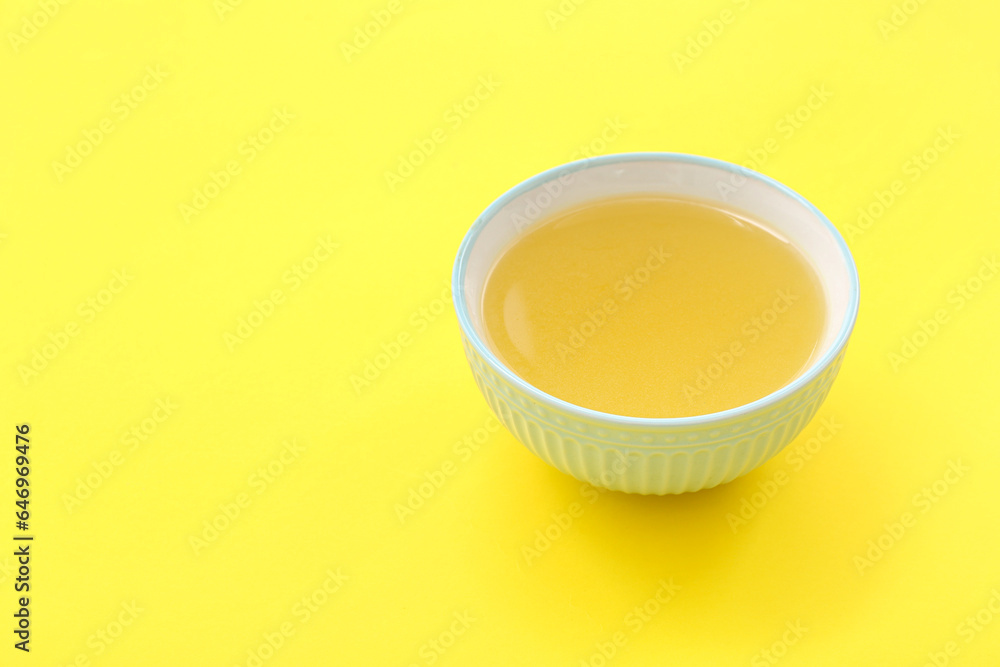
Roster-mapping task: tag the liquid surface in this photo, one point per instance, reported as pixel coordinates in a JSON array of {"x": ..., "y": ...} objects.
[{"x": 648, "y": 306}]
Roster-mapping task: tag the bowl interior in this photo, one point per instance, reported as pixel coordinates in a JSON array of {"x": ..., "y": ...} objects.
[{"x": 785, "y": 212}]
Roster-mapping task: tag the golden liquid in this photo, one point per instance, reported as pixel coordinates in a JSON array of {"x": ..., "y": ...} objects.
[{"x": 653, "y": 306}]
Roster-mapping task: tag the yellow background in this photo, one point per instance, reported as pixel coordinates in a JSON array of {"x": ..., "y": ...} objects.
[{"x": 334, "y": 505}]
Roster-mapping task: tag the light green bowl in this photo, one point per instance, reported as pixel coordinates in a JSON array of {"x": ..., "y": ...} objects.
[{"x": 633, "y": 454}]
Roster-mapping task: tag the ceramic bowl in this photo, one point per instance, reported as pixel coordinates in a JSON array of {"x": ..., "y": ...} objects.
[{"x": 644, "y": 455}]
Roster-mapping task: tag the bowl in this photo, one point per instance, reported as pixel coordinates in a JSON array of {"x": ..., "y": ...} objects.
[{"x": 647, "y": 455}]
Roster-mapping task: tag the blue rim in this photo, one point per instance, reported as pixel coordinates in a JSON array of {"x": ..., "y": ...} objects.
[{"x": 458, "y": 292}]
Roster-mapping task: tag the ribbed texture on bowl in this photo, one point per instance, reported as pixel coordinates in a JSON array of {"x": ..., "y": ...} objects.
[{"x": 650, "y": 459}]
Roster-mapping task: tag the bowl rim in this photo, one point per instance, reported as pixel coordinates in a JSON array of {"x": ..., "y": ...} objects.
[{"x": 588, "y": 414}]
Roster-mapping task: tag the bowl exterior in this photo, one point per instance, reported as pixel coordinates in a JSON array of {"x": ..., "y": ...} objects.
[{"x": 650, "y": 459}]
